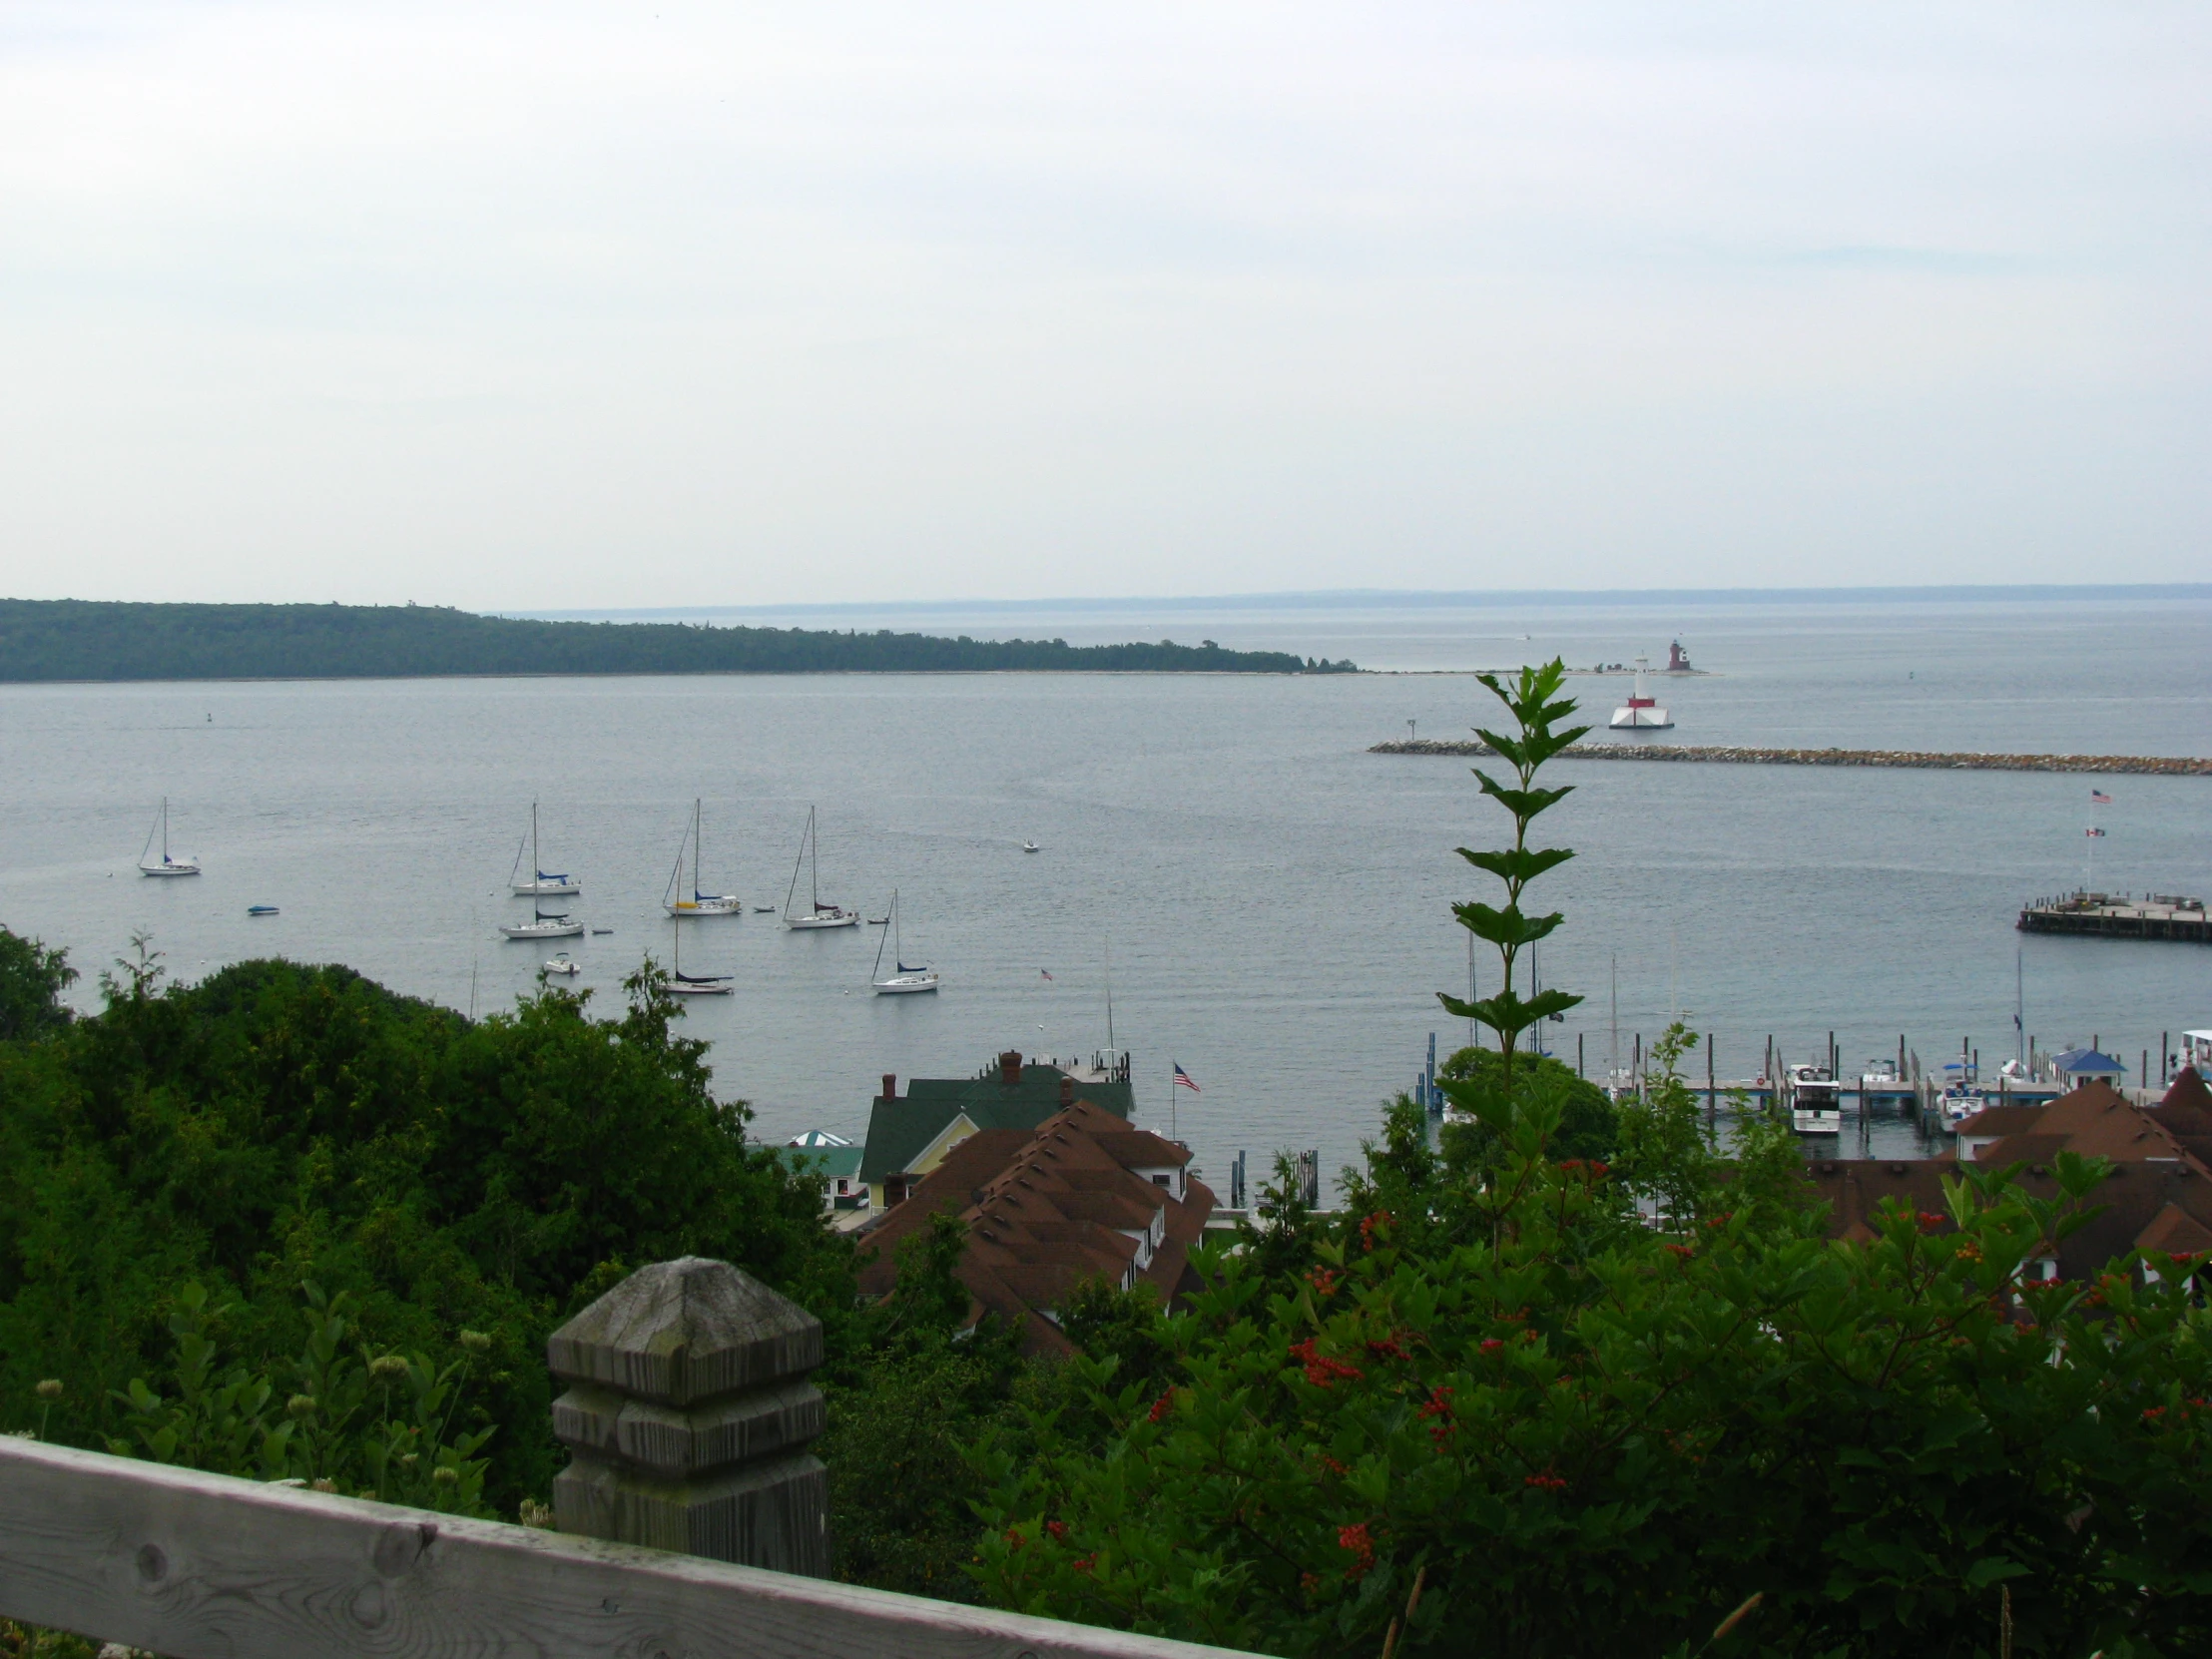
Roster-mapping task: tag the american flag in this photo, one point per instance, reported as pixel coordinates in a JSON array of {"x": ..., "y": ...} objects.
[
  {"x": 2097, "y": 797},
  {"x": 1182, "y": 1079}
]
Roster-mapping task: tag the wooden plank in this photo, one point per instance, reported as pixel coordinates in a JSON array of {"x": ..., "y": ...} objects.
[{"x": 202, "y": 1567}]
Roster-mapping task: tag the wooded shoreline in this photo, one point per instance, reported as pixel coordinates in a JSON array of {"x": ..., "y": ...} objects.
[{"x": 64, "y": 640}]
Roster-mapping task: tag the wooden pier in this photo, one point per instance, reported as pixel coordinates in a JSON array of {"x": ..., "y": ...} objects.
[
  {"x": 2139, "y": 765},
  {"x": 2155, "y": 916}
]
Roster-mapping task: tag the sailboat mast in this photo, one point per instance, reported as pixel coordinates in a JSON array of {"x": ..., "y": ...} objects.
[
  {"x": 537, "y": 859},
  {"x": 164, "y": 829},
  {"x": 793, "y": 892},
  {"x": 813, "y": 865},
  {"x": 698, "y": 849}
]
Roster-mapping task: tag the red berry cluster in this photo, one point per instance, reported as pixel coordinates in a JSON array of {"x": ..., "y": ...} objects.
[
  {"x": 1545, "y": 1481},
  {"x": 1370, "y": 1224},
  {"x": 1324, "y": 1280},
  {"x": 1356, "y": 1539},
  {"x": 1321, "y": 1371},
  {"x": 1163, "y": 1406},
  {"x": 1438, "y": 1412}
]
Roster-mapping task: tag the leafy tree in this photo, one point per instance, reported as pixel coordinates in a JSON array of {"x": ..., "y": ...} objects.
[
  {"x": 904, "y": 1399},
  {"x": 1588, "y": 1123},
  {"x": 278, "y": 1125},
  {"x": 33, "y": 976}
]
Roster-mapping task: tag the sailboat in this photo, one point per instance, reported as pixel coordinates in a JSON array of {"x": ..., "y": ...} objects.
[
  {"x": 681, "y": 983},
  {"x": 178, "y": 865},
  {"x": 540, "y": 926},
  {"x": 907, "y": 980},
  {"x": 699, "y": 903},
  {"x": 818, "y": 914},
  {"x": 543, "y": 883}
]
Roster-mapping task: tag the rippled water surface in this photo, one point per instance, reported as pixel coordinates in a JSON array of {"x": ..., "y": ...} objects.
[{"x": 1273, "y": 897}]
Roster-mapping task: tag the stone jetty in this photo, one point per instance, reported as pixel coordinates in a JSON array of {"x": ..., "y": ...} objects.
[{"x": 2134, "y": 766}]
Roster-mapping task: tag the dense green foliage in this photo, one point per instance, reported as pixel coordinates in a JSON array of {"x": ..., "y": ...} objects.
[
  {"x": 279, "y": 1126},
  {"x": 1589, "y": 1436},
  {"x": 72, "y": 639}
]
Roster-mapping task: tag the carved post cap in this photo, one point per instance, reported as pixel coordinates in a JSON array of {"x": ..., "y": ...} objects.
[
  {"x": 686, "y": 1331},
  {"x": 688, "y": 1416}
]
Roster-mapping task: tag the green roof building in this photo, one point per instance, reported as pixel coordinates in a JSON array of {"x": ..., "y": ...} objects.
[{"x": 908, "y": 1135}]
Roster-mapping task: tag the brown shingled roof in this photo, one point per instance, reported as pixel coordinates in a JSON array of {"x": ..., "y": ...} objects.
[
  {"x": 2096, "y": 1121},
  {"x": 1049, "y": 1209},
  {"x": 2125, "y": 1207}
]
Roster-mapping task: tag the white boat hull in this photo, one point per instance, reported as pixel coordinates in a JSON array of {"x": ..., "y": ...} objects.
[
  {"x": 563, "y": 965},
  {"x": 690, "y": 909},
  {"x": 906, "y": 984},
  {"x": 813, "y": 923},
  {"x": 549, "y": 889},
  {"x": 176, "y": 866},
  {"x": 1817, "y": 1120},
  {"x": 677, "y": 987},
  {"x": 542, "y": 929}
]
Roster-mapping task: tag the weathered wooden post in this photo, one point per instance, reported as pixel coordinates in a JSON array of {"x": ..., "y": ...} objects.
[{"x": 688, "y": 1414}]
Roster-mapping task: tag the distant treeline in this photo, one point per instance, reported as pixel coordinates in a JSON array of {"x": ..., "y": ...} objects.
[{"x": 70, "y": 639}]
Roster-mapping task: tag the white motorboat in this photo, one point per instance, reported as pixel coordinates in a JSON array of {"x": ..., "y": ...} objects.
[
  {"x": 170, "y": 865},
  {"x": 1815, "y": 1108},
  {"x": 564, "y": 963},
  {"x": 543, "y": 883},
  {"x": 681, "y": 983},
  {"x": 818, "y": 915},
  {"x": 1641, "y": 713},
  {"x": 1030, "y": 846},
  {"x": 907, "y": 980},
  {"x": 699, "y": 903}
]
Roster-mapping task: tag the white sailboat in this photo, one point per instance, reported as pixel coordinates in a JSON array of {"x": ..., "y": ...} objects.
[
  {"x": 699, "y": 903},
  {"x": 540, "y": 926},
  {"x": 170, "y": 865},
  {"x": 681, "y": 983},
  {"x": 1641, "y": 713},
  {"x": 818, "y": 914},
  {"x": 907, "y": 980},
  {"x": 543, "y": 883}
]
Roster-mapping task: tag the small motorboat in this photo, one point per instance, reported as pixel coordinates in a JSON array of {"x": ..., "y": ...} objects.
[
  {"x": 1030, "y": 846},
  {"x": 764, "y": 910},
  {"x": 260, "y": 909},
  {"x": 563, "y": 963},
  {"x": 601, "y": 933},
  {"x": 878, "y": 921}
]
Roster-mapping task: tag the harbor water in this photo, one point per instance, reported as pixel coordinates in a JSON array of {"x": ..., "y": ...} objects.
[{"x": 1272, "y": 897}]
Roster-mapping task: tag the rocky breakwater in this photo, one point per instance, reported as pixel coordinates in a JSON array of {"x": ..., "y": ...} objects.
[{"x": 2134, "y": 766}]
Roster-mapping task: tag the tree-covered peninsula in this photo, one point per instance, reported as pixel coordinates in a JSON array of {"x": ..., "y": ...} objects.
[{"x": 74, "y": 639}]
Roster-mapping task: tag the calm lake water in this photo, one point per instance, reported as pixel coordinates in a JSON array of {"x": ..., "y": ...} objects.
[{"x": 1273, "y": 897}]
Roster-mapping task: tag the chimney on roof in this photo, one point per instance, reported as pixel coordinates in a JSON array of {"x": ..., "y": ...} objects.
[
  {"x": 1067, "y": 1090},
  {"x": 1009, "y": 1067},
  {"x": 890, "y": 1085}
]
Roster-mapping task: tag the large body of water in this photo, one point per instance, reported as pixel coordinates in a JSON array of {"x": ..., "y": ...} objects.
[{"x": 1274, "y": 899}]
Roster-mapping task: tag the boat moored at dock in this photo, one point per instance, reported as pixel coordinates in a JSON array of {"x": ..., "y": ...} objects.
[{"x": 1815, "y": 1107}]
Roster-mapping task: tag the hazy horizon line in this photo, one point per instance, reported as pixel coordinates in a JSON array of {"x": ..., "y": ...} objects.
[{"x": 1316, "y": 598}]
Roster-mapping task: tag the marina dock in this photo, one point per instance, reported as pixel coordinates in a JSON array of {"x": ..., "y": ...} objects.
[
  {"x": 2156, "y": 915},
  {"x": 2136, "y": 766}
]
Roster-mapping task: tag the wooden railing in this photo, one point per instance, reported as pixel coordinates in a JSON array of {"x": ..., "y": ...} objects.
[
  {"x": 204, "y": 1567},
  {"x": 688, "y": 1416}
]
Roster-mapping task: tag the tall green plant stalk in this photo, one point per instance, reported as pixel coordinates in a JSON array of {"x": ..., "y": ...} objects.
[{"x": 1533, "y": 699}]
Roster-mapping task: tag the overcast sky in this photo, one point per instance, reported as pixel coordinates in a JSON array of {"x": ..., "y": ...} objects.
[{"x": 548, "y": 305}]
